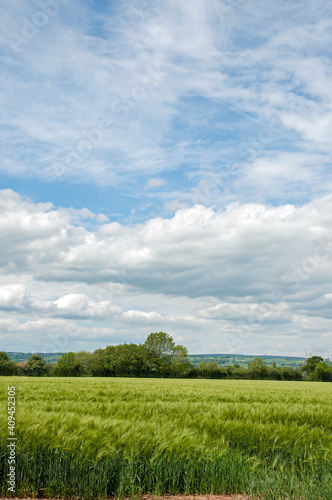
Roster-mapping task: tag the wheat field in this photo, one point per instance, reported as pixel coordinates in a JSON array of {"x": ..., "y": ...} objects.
[{"x": 97, "y": 437}]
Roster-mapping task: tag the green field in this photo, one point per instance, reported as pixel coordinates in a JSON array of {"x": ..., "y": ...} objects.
[
  {"x": 242, "y": 360},
  {"x": 92, "y": 437}
]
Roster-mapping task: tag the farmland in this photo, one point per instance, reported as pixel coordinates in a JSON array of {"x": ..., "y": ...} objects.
[{"x": 92, "y": 437}]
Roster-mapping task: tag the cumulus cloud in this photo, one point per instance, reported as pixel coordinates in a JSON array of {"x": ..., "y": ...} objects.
[
  {"x": 13, "y": 297},
  {"x": 197, "y": 252},
  {"x": 248, "y": 268},
  {"x": 79, "y": 305}
]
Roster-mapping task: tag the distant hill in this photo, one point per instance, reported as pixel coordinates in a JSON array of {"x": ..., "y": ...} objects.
[
  {"x": 50, "y": 357},
  {"x": 195, "y": 359},
  {"x": 244, "y": 359}
]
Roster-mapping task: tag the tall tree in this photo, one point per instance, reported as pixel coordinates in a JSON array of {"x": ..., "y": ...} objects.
[
  {"x": 322, "y": 372},
  {"x": 180, "y": 365},
  {"x": 258, "y": 368},
  {"x": 125, "y": 360},
  {"x": 212, "y": 366},
  {"x": 160, "y": 349},
  {"x": 201, "y": 368},
  {"x": 160, "y": 345},
  {"x": 311, "y": 364},
  {"x": 83, "y": 358},
  {"x": 36, "y": 365},
  {"x": 67, "y": 366},
  {"x": 95, "y": 364}
]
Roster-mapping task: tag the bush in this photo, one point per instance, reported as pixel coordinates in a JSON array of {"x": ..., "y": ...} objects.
[{"x": 290, "y": 374}]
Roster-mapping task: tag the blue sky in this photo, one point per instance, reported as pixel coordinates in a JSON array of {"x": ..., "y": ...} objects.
[{"x": 166, "y": 166}]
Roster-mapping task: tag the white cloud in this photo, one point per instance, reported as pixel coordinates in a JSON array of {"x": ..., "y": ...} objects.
[
  {"x": 155, "y": 182},
  {"x": 143, "y": 315},
  {"x": 120, "y": 95},
  {"x": 234, "y": 99},
  {"x": 198, "y": 252},
  {"x": 13, "y": 296},
  {"x": 241, "y": 271},
  {"x": 78, "y": 304}
]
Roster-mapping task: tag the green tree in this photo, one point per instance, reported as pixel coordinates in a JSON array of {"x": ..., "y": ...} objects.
[
  {"x": 222, "y": 372},
  {"x": 212, "y": 366},
  {"x": 21, "y": 367},
  {"x": 180, "y": 365},
  {"x": 323, "y": 372},
  {"x": 234, "y": 372},
  {"x": 160, "y": 345},
  {"x": 50, "y": 368},
  {"x": 160, "y": 350},
  {"x": 257, "y": 369},
  {"x": 95, "y": 365},
  {"x": 212, "y": 369},
  {"x": 67, "y": 366},
  {"x": 125, "y": 360},
  {"x": 7, "y": 367},
  {"x": 273, "y": 372},
  {"x": 109, "y": 360},
  {"x": 311, "y": 364},
  {"x": 201, "y": 369},
  {"x": 289, "y": 373},
  {"x": 83, "y": 358},
  {"x": 36, "y": 365}
]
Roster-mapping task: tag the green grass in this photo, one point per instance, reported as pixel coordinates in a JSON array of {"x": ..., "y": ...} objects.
[{"x": 93, "y": 437}]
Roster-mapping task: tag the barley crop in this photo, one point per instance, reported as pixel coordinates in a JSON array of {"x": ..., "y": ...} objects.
[{"x": 95, "y": 437}]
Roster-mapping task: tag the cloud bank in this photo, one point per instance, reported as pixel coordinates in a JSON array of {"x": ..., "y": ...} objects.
[{"x": 253, "y": 276}]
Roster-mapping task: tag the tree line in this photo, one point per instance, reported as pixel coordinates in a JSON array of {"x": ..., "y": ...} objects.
[{"x": 159, "y": 356}]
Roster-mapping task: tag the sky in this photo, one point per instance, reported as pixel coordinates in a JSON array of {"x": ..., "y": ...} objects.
[{"x": 166, "y": 166}]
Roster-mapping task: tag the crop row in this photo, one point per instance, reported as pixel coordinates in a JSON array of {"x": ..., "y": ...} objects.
[{"x": 130, "y": 436}]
